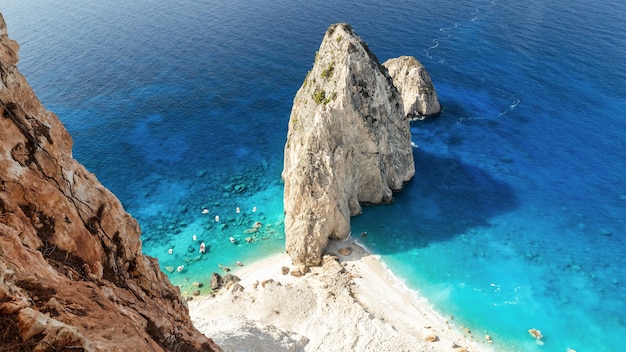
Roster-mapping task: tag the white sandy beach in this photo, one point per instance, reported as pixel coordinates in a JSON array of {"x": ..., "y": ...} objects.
[{"x": 353, "y": 304}]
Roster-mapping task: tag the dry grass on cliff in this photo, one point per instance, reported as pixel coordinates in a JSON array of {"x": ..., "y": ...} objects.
[{"x": 10, "y": 340}]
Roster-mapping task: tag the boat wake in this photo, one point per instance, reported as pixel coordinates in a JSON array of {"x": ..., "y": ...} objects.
[{"x": 447, "y": 31}]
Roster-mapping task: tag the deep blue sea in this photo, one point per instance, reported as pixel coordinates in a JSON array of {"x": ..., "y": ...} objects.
[{"x": 516, "y": 217}]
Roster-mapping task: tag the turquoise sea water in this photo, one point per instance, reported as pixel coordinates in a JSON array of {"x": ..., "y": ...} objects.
[{"x": 516, "y": 217}]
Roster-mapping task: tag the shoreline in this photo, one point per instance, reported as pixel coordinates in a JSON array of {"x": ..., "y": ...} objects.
[{"x": 352, "y": 302}]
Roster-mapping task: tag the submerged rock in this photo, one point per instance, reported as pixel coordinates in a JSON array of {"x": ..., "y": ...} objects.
[
  {"x": 72, "y": 273},
  {"x": 348, "y": 143}
]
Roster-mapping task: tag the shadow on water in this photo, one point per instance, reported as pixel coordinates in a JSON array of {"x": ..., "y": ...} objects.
[{"x": 446, "y": 198}]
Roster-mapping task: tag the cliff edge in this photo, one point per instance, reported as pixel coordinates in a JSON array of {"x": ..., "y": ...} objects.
[
  {"x": 72, "y": 274},
  {"x": 348, "y": 143}
]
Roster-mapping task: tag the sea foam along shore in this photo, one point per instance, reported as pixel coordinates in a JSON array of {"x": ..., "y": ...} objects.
[{"x": 351, "y": 303}]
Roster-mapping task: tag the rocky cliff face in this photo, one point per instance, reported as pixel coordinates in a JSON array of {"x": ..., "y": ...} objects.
[
  {"x": 72, "y": 274},
  {"x": 415, "y": 86},
  {"x": 348, "y": 143}
]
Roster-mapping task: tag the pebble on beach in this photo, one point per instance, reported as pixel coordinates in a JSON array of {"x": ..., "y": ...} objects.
[
  {"x": 430, "y": 337},
  {"x": 458, "y": 348}
]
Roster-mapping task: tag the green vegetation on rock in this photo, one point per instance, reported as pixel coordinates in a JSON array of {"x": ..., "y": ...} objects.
[
  {"x": 319, "y": 96},
  {"x": 328, "y": 71}
]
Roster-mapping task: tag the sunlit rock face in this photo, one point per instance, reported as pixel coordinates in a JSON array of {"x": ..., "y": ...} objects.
[
  {"x": 348, "y": 143},
  {"x": 418, "y": 93},
  {"x": 72, "y": 273}
]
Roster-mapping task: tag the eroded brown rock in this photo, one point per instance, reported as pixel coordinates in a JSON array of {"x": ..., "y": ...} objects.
[{"x": 72, "y": 273}]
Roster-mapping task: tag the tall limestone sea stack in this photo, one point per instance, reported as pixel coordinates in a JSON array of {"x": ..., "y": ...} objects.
[
  {"x": 348, "y": 143},
  {"x": 72, "y": 274}
]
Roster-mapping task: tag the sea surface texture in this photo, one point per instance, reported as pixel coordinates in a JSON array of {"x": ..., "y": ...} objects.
[{"x": 516, "y": 217}]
